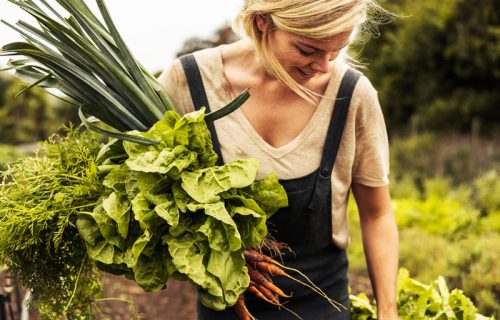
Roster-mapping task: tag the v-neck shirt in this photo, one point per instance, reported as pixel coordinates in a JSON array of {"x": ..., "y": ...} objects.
[{"x": 363, "y": 153}]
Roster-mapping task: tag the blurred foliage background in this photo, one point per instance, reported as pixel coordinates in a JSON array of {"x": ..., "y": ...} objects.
[
  {"x": 32, "y": 116},
  {"x": 436, "y": 67}
]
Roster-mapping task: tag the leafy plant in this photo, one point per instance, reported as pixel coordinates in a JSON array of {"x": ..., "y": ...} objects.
[
  {"x": 41, "y": 198},
  {"x": 168, "y": 211},
  {"x": 169, "y": 167},
  {"x": 89, "y": 64},
  {"x": 443, "y": 232},
  {"x": 417, "y": 300}
]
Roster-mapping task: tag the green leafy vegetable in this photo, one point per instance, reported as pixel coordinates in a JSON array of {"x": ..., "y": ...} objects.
[
  {"x": 417, "y": 300},
  {"x": 169, "y": 200}
]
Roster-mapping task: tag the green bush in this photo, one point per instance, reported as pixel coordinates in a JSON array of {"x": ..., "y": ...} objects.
[
  {"x": 469, "y": 264},
  {"x": 436, "y": 215},
  {"x": 410, "y": 155},
  {"x": 425, "y": 255},
  {"x": 491, "y": 222},
  {"x": 436, "y": 67},
  {"x": 488, "y": 191},
  {"x": 405, "y": 187},
  {"x": 480, "y": 272}
]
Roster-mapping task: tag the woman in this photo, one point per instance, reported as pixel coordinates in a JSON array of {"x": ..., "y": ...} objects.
[{"x": 289, "y": 62}]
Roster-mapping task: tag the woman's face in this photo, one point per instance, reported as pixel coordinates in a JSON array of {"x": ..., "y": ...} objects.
[{"x": 303, "y": 58}]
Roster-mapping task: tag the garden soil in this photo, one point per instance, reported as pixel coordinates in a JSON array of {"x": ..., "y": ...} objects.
[{"x": 176, "y": 302}]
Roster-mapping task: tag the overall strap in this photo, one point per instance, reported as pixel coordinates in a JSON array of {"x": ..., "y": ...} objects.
[
  {"x": 199, "y": 97},
  {"x": 333, "y": 138}
]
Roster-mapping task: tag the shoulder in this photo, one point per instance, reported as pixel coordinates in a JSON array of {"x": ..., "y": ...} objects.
[
  {"x": 365, "y": 92},
  {"x": 365, "y": 103},
  {"x": 368, "y": 132},
  {"x": 365, "y": 117},
  {"x": 175, "y": 82},
  {"x": 364, "y": 97},
  {"x": 209, "y": 56},
  {"x": 174, "y": 72}
]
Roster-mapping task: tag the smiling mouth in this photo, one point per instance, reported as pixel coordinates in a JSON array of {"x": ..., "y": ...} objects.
[{"x": 306, "y": 74}]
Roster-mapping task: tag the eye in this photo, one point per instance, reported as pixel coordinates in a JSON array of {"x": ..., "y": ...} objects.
[{"x": 305, "y": 53}]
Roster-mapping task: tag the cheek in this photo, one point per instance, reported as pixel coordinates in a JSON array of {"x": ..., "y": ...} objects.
[
  {"x": 285, "y": 53},
  {"x": 291, "y": 58}
]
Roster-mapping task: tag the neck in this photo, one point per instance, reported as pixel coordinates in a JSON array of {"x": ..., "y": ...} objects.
[{"x": 254, "y": 62}]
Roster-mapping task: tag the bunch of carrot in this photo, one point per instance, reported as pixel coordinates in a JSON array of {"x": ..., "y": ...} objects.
[{"x": 261, "y": 269}]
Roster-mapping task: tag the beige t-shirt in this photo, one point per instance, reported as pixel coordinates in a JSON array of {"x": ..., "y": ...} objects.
[{"x": 362, "y": 156}]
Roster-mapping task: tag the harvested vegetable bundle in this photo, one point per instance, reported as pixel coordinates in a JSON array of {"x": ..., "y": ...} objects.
[{"x": 165, "y": 209}]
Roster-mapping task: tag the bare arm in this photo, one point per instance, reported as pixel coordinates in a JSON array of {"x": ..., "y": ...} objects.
[{"x": 380, "y": 240}]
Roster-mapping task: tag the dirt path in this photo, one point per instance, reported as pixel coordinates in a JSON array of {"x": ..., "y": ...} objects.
[{"x": 177, "y": 302}]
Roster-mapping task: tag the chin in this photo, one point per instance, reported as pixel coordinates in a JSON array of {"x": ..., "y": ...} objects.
[{"x": 302, "y": 81}]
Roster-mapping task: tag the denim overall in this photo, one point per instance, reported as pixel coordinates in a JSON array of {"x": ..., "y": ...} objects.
[{"x": 305, "y": 225}]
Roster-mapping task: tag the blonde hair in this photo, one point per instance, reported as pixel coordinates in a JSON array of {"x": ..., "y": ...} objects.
[{"x": 315, "y": 19}]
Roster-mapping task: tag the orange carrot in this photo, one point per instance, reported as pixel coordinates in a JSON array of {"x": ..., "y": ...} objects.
[
  {"x": 260, "y": 279},
  {"x": 266, "y": 275},
  {"x": 259, "y": 291},
  {"x": 255, "y": 256},
  {"x": 263, "y": 293},
  {"x": 241, "y": 309},
  {"x": 266, "y": 265},
  {"x": 277, "y": 271},
  {"x": 252, "y": 288},
  {"x": 272, "y": 269}
]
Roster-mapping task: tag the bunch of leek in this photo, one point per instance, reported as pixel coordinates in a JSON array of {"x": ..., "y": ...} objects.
[{"x": 89, "y": 62}]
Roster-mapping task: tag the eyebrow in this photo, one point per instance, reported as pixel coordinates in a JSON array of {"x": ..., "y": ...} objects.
[{"x": 318, "y": 49}]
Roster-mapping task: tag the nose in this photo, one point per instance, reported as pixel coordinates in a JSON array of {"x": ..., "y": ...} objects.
[{"x": 322, "y": 63}]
